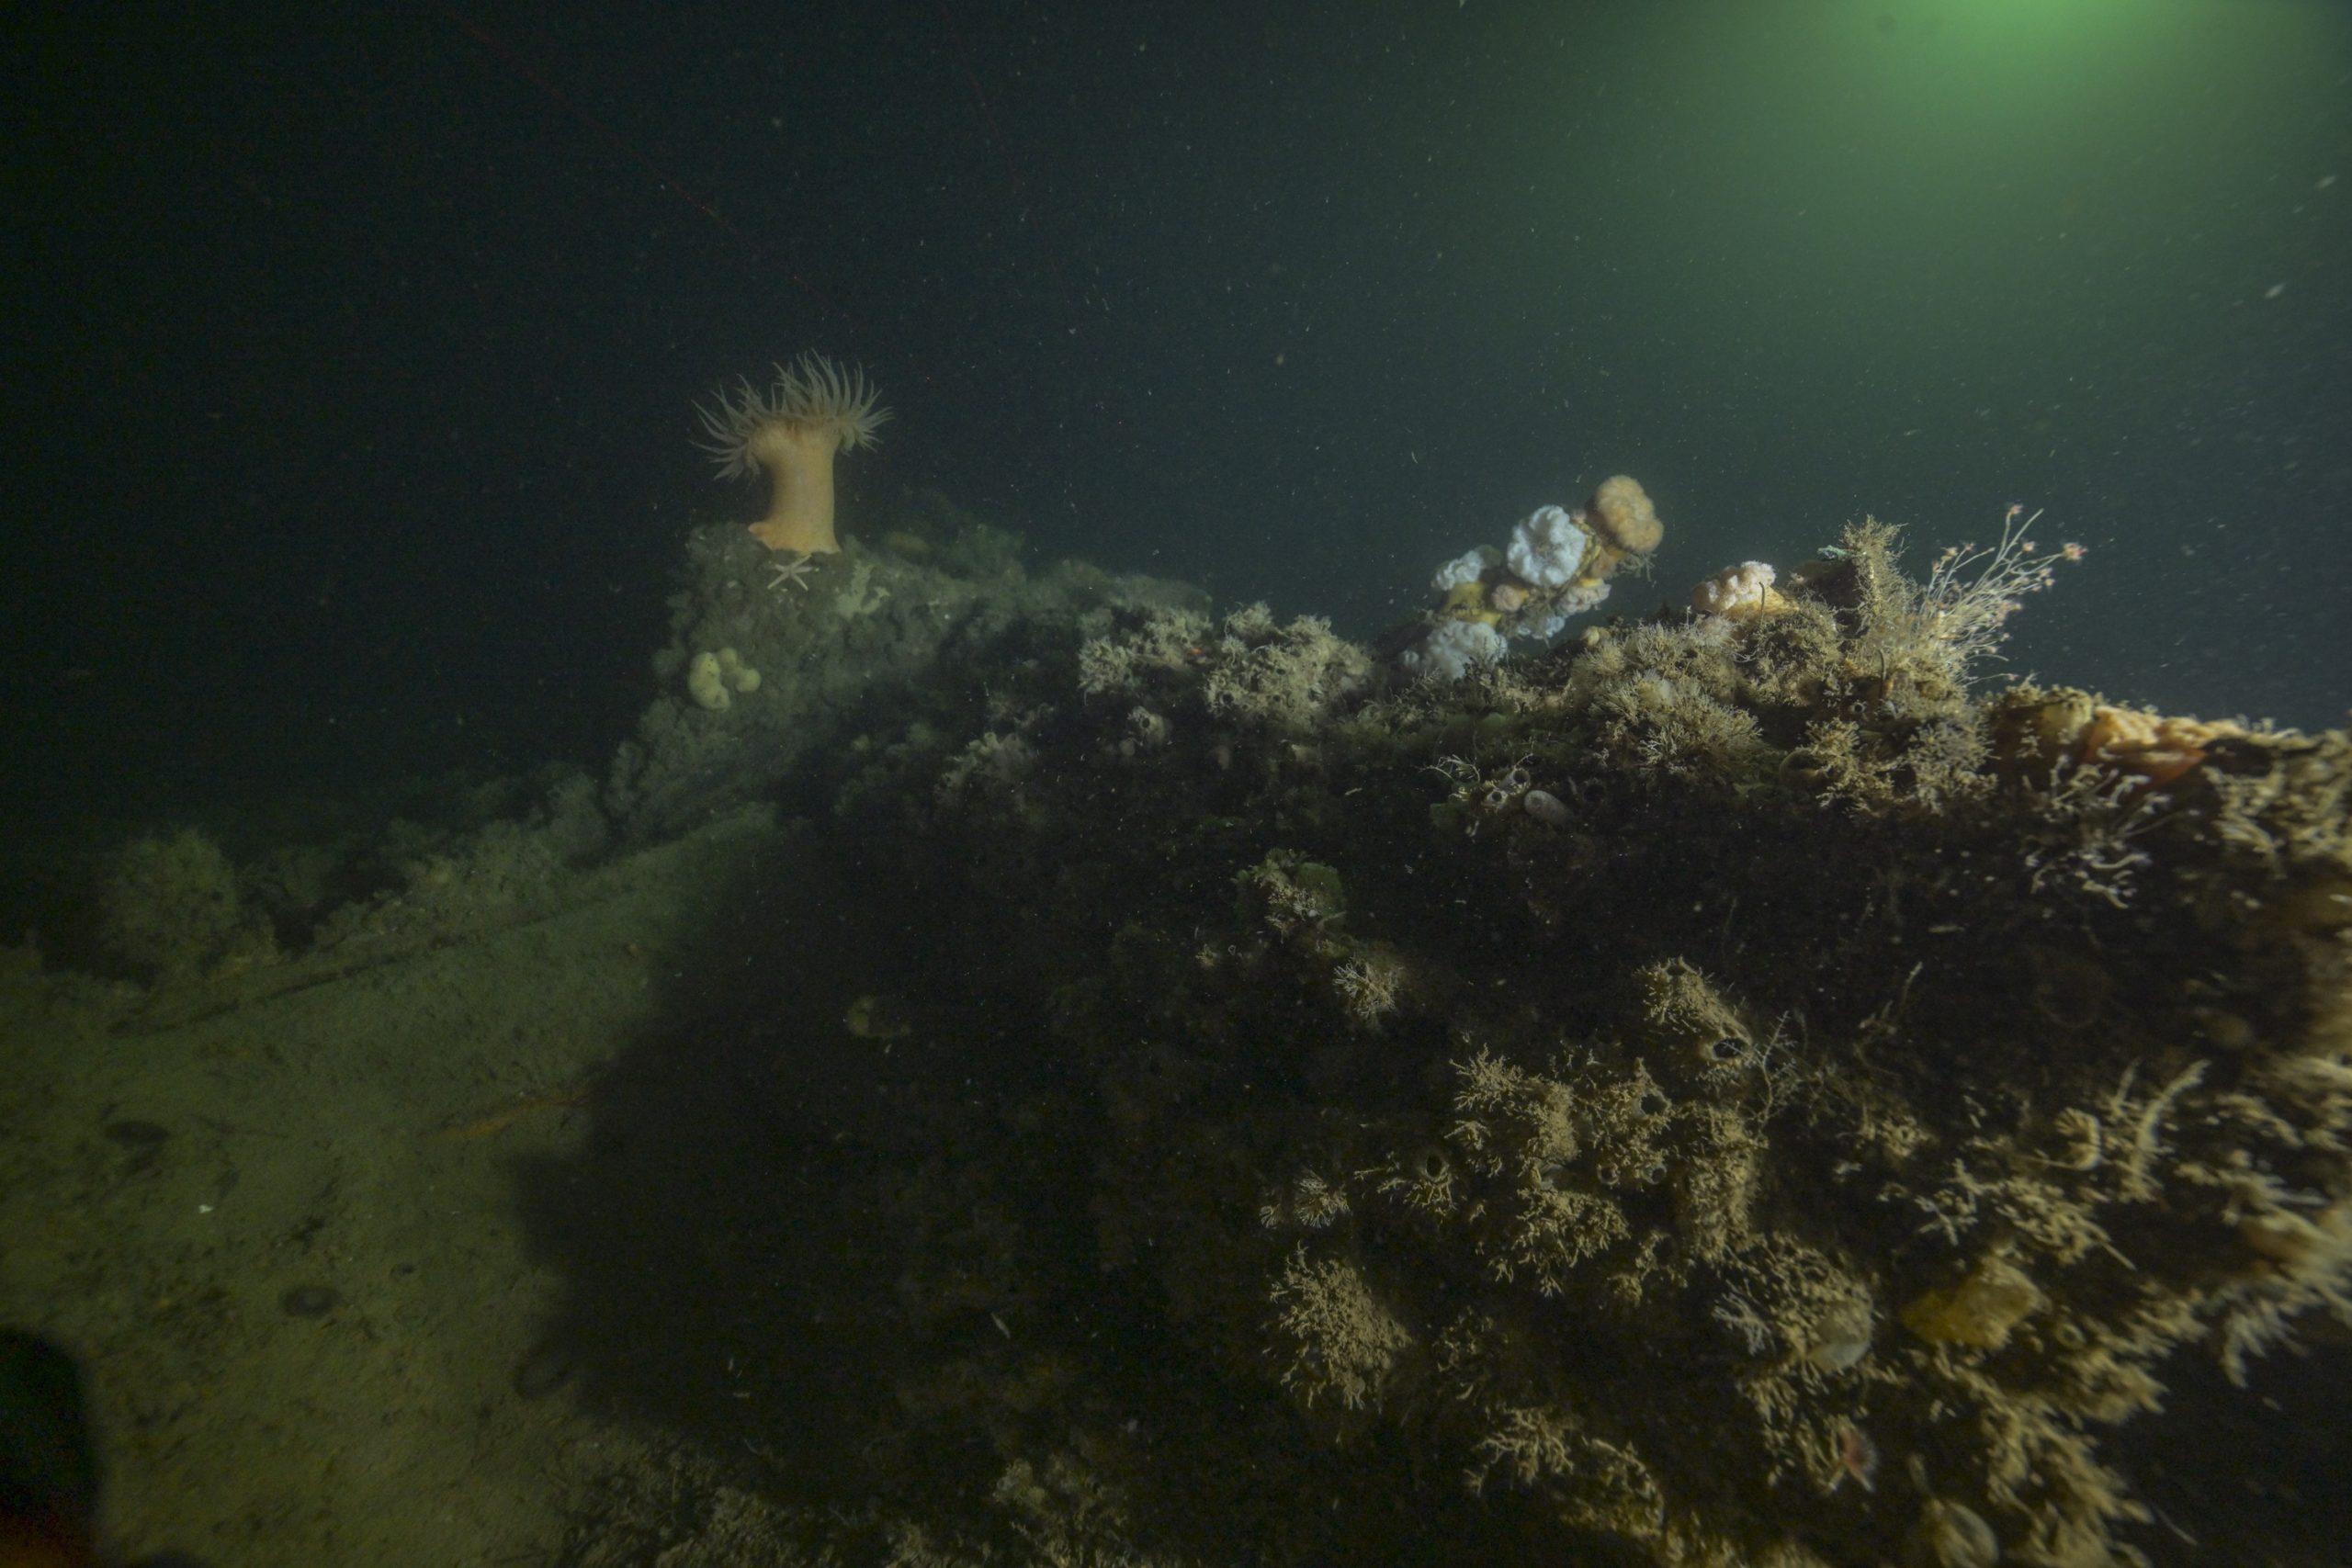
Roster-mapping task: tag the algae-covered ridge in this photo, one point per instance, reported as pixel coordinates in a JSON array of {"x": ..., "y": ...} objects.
[
  {"x": 1723, "y": 1081},
  {"x": 1723, "y": 1089}
]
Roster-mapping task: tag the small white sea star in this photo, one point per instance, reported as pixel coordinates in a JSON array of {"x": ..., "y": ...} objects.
[{"x": 795, "y": 569}]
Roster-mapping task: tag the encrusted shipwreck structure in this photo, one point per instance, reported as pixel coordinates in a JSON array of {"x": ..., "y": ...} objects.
[{"x": 1721, "y": 1088}]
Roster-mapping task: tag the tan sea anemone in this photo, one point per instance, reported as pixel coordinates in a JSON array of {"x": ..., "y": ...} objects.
[
  {"x": 1623, "y": 523},
  {"x": 790, "y": 432}
]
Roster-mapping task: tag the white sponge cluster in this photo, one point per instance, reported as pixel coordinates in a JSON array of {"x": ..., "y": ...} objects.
[
  {"x": 1547, "y": 546},
  {"x": 1466, "y": 567},
  {"x": 1554, "y": 620},
  {"x": 1741, "y": 592},
  {"x": 1453, "y": 649}
]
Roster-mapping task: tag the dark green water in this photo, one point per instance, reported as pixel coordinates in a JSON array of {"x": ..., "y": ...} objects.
[{"x": 352, "y": 389}]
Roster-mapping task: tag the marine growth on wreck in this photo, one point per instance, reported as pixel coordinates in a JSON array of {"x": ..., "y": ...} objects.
[
  {"x": 1722, "y": 1082},
  {"x": 1716, "y": 1084}
]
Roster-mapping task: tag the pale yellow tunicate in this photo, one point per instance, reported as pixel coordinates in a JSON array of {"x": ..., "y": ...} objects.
[
  {"x": 735, "y": 672},
  {"x": 1980, "y": 1310},
  {"x": 707, "y": 682}
]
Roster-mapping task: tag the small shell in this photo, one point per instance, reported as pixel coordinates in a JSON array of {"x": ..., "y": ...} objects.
[
  {"x": 1950, "y": 1536},
  {"x": 1545, "y": 807}
]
